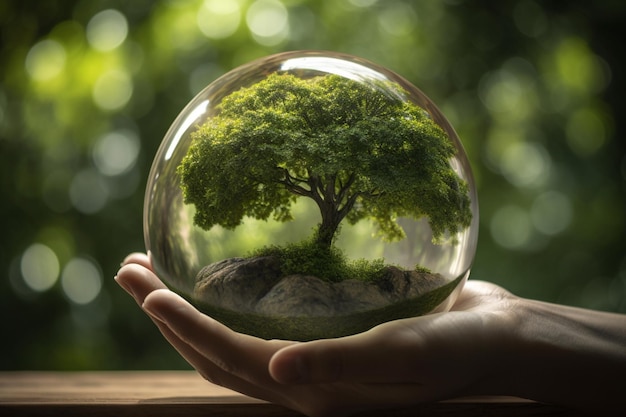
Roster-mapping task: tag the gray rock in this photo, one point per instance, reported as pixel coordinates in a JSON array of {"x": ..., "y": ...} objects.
[
  {"x": 355, "y": 296},
  {"x": 237, "y": 283},
  {"x": 399, "y": 284},
  {"x": 299, "y": 295}
]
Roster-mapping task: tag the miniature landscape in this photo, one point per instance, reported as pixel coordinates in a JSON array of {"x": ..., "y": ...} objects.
[
  {"x": 250, "y": 296},
  {"x": 257, "y": 285}
]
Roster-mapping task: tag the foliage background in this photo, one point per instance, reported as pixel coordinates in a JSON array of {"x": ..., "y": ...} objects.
[{"x": 88, "y": 89}]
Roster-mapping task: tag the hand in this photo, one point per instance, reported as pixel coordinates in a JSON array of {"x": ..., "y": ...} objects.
[
  {"x": 398, "y": 363},
  {"x": 491, "y": 343}
]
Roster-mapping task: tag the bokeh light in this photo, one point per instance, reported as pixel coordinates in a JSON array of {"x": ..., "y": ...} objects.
[
  {"x": 551, "y": 212},
  {"x": 219, "y": 19},
  {"x": 40, "y": 267},
  {"x": 268, "y": 21},
  {"x": 511, "y": 227},
  {"x": 107, "y": 30},
  {"x": 586, "y": 132},
  {"x": 45, "y": 60},
  {"x": 525, "y": 164},
  {"x": 115, "y": 153},
  {"x": 112, "y": 90},
  {"x": 398, "y": 20},
  {"x": 81, "y": 280}
]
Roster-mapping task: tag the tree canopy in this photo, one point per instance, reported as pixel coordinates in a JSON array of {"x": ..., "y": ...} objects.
[{"x": 359, "y": 151}]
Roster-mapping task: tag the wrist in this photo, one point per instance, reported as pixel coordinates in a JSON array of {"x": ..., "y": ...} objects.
[{"x": 565, "y": 355}]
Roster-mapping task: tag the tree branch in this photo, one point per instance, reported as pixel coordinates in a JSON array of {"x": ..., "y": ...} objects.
[
  {"x": 292, "y": 178},
  {"x": 348, "y": 206},
  {"x": 330, "y": 193},
  {"x": 292, "y": 184},
  {"x": 343, "y": 189},
  {"x": 296, "y": 189},
  {"x": 317, "y": 191}
]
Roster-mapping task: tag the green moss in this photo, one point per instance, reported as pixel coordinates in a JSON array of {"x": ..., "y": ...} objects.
[
  {"x": 423, "y": 269},
  {"x": 327, "y": 263}
]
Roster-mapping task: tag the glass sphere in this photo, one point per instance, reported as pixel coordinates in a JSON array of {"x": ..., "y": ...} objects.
[{"x": 311, "y": 195}]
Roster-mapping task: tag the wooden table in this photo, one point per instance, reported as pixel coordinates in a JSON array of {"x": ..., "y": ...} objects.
[{"x": 184, "y": 393}]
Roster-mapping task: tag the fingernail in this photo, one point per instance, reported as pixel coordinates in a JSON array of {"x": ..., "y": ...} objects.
[{"x": 126, "y": 286}]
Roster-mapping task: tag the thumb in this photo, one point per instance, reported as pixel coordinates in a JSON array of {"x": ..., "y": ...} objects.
[
  {"x": 307, "y": 363},
  {"x": 374, "y": 356}
]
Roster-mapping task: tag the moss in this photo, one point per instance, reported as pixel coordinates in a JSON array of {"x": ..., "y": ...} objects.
[
  {"x": 423, "y": 269},
  {"x": 327, "y": 263}
]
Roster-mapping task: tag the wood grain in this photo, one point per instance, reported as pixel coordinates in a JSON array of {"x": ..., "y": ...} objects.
[{"x": 185, "y": 393}]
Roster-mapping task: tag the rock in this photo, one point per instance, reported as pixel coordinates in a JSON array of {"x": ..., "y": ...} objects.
[
  {"x": 237, "y": 283},
  {"x": 399, "y": 284},
  {"x": 355, "y": 296},
  {"x": 255, "y": 285},
  {"x": 299, "y": 295}
]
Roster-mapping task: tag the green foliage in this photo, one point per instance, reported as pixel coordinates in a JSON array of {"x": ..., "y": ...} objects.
[
  {"x": 327, "y": 263},
  {"x": 357, "y": 150}
]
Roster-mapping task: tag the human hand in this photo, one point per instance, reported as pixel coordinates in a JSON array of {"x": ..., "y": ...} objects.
[{"x": 398, "y": 363}]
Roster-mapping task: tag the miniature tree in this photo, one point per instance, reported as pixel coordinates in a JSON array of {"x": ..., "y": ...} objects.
[{"x": 358, "y": 151}]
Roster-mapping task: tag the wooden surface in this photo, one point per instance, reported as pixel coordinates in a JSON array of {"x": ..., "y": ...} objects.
[{"x": 183, "y": 393}]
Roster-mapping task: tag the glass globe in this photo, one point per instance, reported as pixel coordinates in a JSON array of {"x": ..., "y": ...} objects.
[{"x": 311, "y": 195}]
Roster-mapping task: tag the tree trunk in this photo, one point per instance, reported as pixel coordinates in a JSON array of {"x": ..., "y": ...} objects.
[
  {"x": 330, "y": 202},
  {"x": 331, "y": 217}
]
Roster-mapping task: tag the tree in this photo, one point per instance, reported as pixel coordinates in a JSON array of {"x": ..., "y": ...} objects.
[{"x": 359, "y": 151}]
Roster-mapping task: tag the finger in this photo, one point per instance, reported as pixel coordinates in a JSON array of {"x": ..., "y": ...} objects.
[
  {"x": 211, "y": 372},
  {"x": 244, "y": 356},
  {"x": 138, "y": 281},
  {"x": 385, "y": 354},
  {"x": 171, "y": 312},
  {"x": 138, "y": 258}
]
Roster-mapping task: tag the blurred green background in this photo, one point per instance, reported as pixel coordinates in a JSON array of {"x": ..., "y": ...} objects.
[{"x": 89, "y": 88}]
